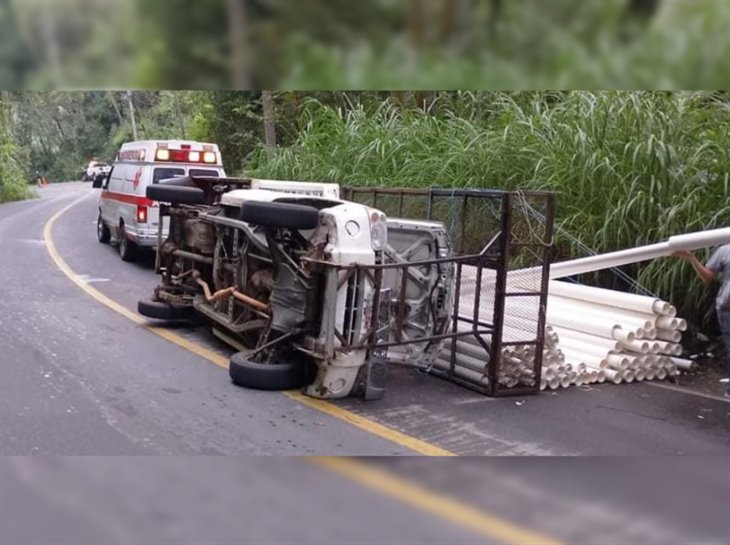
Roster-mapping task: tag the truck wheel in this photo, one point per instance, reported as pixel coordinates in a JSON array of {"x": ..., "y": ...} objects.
[
  {"x": 279, "y": 214},
  {"x": 102, "y": 231},
  {"x": 261, "y": 376},
  {"x": 127, "y": 248},
  {"x": 161, "y": 310},
  {"x": 175, "y": 194}
]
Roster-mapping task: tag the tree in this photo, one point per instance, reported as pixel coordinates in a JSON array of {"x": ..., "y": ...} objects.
[
  {"x": 60, "y": 131},
  {"x": 269, "y": 118},
  {"x": 130, "y": 102}
]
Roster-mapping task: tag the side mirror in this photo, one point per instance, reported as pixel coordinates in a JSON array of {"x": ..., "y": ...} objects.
[{"x": 99, "y": 180}]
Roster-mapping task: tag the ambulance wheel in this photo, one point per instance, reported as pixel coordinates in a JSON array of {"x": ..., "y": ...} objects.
[
  {"x": 102, "y": 231},
  {"x": 127, "y": 248},
  {"x": 279, "y": 214},
  {"x": 263, "y": 376}
]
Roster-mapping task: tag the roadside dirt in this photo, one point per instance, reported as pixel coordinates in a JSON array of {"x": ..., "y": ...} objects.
[{"x": 706, "y": 377}]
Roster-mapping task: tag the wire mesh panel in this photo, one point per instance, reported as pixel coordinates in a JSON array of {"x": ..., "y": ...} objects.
[{"x": 493, "y": 340}]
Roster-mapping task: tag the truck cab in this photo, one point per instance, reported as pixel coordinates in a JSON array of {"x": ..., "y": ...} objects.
[{"x": 303, "y": 283}]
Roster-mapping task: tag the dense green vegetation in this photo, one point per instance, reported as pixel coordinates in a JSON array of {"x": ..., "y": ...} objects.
[
  {"x": 629, "y": 168},
  {"x": 336, "y": 44}
]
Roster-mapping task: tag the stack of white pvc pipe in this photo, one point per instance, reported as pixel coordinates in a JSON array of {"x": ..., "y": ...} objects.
[
  {"x": 610, "y": 335},
  {"x": 516, "y": 364},
  {"x": 592, "y": 334},
  {"x": 624, "y": 336},
  {"x": 621, "y": 336}
]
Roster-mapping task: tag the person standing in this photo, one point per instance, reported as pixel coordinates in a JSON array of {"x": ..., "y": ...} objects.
[{"x": 717, "y": 268}]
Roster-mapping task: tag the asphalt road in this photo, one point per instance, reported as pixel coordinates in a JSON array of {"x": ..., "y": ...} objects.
[
  {"x": 79, "y": 378},
  {"x": 226, "y": 500}
]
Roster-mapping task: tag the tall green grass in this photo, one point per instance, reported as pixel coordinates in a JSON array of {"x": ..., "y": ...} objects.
[{"x": 630, "y": 168}]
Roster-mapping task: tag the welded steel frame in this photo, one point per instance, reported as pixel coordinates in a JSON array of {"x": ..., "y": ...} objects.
[{"x": 494, "y": 254}]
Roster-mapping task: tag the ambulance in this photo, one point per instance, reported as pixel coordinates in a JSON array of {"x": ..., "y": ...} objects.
[{"x": 126, "y": 215}]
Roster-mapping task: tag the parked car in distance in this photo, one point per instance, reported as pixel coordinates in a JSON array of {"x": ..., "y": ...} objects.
[{"x": 93, "y": 169}]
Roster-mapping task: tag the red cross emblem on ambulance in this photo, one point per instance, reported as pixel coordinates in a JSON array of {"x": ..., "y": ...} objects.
[{"x": 135, "y": 180}]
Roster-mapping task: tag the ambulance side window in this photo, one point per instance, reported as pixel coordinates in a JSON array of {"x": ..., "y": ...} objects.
[
  {"x": 113, "y": 183},
  {"x": 167, "y": 172}
]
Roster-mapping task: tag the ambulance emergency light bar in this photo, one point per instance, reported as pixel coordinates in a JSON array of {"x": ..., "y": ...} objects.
[
  {"x": 163, "y": 152},
  {"x": 185, "y": 156}
]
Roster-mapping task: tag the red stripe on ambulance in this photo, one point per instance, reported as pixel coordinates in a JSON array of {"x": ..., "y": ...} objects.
[{"x": 129, "y": 199}]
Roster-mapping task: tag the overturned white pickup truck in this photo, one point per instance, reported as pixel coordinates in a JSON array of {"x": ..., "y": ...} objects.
[{"x": 306, "y": 285}]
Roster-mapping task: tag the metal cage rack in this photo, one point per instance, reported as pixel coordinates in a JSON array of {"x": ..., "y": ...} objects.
[{"x": 493, "y": 342}]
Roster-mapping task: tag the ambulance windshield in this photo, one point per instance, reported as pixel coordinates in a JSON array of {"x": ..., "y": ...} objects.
[{"x": 167, "y": 172}]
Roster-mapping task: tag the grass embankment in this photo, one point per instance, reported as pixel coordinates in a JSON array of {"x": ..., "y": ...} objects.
[
  {"x": 13, "y": 186},
  {"x": 13, "y": 183},
  {"x": 15, "y": 192}
]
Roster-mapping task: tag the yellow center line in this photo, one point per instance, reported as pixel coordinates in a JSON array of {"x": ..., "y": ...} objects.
[
  {"x": 361, "y": 422},
  {"x": 449, "y": 509},
  {"x": 369, "y": 425}
]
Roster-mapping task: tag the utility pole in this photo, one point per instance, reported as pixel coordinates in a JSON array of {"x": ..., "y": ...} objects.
[
  {"x": 113, "y": 101},
  {"x": 269, "y": 119},
  {"x": 131, "y": 114}
]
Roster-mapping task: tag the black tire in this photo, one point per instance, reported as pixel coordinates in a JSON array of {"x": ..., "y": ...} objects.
[
  {"x": 102, "y": 231},
  {"x": 161, "y": 310},
  {"x": 127, "y": 248},
  {"x": 260, "y": 376},
  {"x": 278, "y": 214},
  {"x": 175, "y": 194}
]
